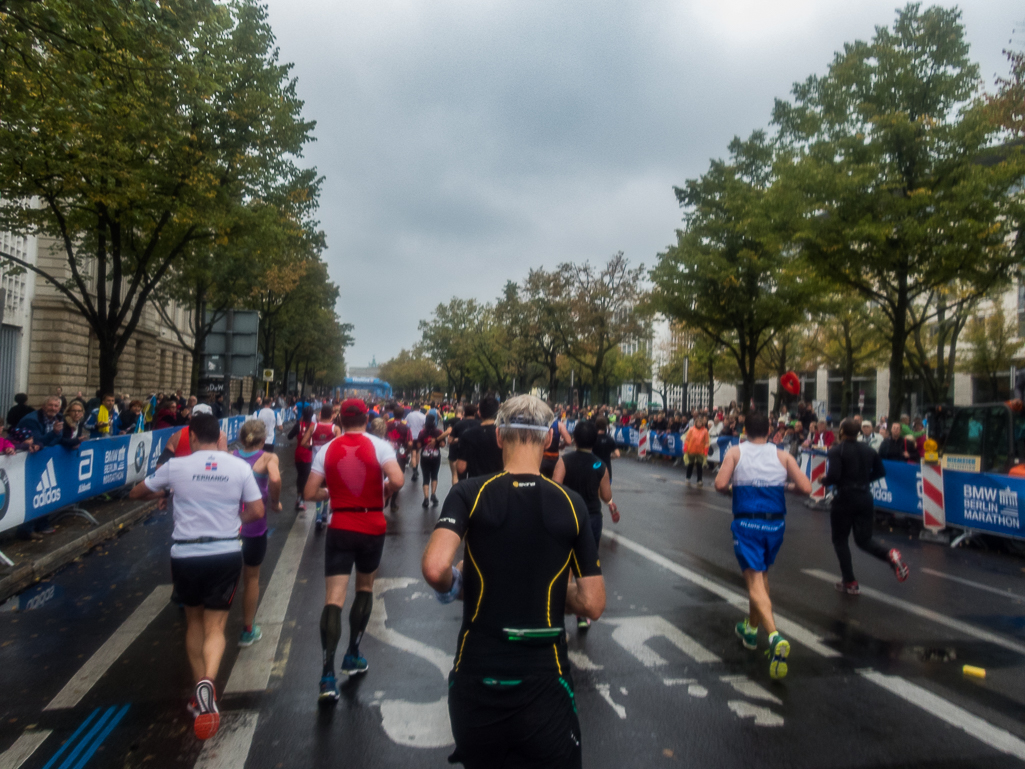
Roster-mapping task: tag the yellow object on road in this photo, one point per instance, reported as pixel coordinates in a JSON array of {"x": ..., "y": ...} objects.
[{"x": 974, "y": 672}]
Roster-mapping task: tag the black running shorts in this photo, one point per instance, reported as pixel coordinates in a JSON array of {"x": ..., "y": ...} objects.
[
  {"x": 430, "y": 466},
  {"x": 207, "y": 580},
  {"x": 548, "y": 466},
  {"x": 528, "y": 722},
  {"x": 254, "y": 549},
  {"x": 344, "y": 548}
]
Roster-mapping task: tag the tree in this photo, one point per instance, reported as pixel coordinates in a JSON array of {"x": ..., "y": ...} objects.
[
  {"x": 546, "y": 311},
  {"x": 995, "y": 347},
  {"x": 898, "y": 194},
  {"x": 849, "y": 339},
  {"x": 606, "y": 309},
  {"x": 933, "y": 351},
  {"x": 786, "y": 351},
  {"x": 732, "y": 273},
  {"x": 130, "y": 133},
  {"x": 447, "y": 339},
  {"x": 412, "y": 373}
]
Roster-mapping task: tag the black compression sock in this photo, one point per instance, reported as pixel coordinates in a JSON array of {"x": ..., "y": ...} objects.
[
  {"x": 359, "y": 616},
  {"x": 330, "y": 634}
]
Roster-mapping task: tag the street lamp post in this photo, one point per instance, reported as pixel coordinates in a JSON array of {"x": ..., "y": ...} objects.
[{"x": 686, "y": 379}]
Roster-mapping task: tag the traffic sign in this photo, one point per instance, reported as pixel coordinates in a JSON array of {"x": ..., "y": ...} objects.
[{"x": 268, "y": 375}]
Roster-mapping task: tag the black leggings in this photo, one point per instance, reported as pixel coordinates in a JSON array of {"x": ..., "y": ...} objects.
[
  {"x": 854, "y": 510},
  {"x": 430, "y": 467},
  {"x": 302, "y": 474},
  {"x": 690, "y": 466}
]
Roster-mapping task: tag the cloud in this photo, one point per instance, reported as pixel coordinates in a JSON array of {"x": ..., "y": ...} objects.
[{"x": 465, "y": 142}]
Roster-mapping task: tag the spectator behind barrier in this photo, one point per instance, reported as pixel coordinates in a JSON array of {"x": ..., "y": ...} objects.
[
  {"x": 104, "y": 420},
  {"x": 44, "y": 426},
  {"x": 133, "y": 421},
  {"x": 19, "y": 410},
  {"x": 73, "y": 432}
]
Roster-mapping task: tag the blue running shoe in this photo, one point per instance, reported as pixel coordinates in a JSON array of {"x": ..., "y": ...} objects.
[
  {"x": 354, "y": 664},
  {"x": 748, "y": 635},
  {"x": 329, "y": 694},
  {"x": 248, "y": 638},
  {"x": 779, "y": 650}
]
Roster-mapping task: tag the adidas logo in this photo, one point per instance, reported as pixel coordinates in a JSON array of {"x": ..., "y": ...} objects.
[
  {"x": 881, "y": 492},
  {"x": 47, "y": 491}
]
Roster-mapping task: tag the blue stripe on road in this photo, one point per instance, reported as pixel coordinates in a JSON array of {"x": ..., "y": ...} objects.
[
  {"x": 102, "y": 736},
  {"x": 71, "y": 739},
  {"x": 90, "y": 743}
]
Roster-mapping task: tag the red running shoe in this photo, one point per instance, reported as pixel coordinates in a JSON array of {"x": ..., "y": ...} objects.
[
  {"x": 851, "y": 588},
  {"x": 209, "y": 719},
  {"x": 899, "y": 567}
]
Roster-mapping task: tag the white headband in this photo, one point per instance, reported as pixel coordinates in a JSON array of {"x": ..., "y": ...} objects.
[{"x": 519, "y": 426}]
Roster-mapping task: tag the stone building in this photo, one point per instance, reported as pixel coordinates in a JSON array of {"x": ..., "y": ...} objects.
[{"x": 47, "y": 343}]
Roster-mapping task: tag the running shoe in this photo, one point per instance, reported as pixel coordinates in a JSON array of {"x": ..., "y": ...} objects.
[
  {"x": 329, "y": 693},
  {"x": 354, "y": 664},
  {"x": 748, "y": 635},
  {"x": 779, "y": 650},
  {"x": 426, "y": 503},
  {"x": 434, "y": 500},
  {"x": 300, "y": 505},
  {"x": 583, "y": 623},
  {"x": 700, "y": 484},
  {"x": 192, "y": 706},
  {"x": 248, "y": 638},
  {"x": 209, "y": 719},
  {"x": 394, "y": 504},
  {"x": 851, "y": 588},
  {"x": 899, "y": 567}
]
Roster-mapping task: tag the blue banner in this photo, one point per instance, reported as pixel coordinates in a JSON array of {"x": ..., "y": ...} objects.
[
  {"x": 983, "y": 502},
  {"x": 901, "y": 489}
]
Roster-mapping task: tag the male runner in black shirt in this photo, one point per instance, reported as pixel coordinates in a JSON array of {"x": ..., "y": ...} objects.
[
  {"x": 479, "y": 452},
  {"x": 605, "y": 445},
  {"x": 454, "y": 428},
  {"x": 511, "y": 699}
]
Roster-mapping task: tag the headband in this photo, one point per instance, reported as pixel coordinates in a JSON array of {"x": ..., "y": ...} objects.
[{"x": 524, "y": 426}]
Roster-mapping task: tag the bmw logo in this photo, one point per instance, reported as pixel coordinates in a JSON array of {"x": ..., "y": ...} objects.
[
  {"x": 5, "y": 494},
  {"x": 140, "y": 456}
]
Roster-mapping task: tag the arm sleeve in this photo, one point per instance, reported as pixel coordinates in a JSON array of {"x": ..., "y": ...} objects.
[
  {"x": 385, "y": 452},
  {"x": 455, "y": 513},
  {"x": 878, "y": 468},
  {"x": 161, "y": 479},
  {"x": 832, "y": 468}
]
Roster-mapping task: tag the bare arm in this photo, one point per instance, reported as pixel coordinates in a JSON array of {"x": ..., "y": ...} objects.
[
  {"x": 438, "y": 557},
  {"x": 395, "y": 477},
  {"x": 460, "y": 466},
  {"x": 314, "y": 491},
  {"x": 142, "y": 491},
  {"x": 564, "y": 433},
  {"x": 604, "y": 488},
  {"x": 308, "y": 435},
  {"x": 801, "y": 483},
  {"x": 725, "y": 474},
  {"x": 559, "y": 473},
  {"x": 274, "y": 482},
  {"x": 222, "y": 442},
  {"x": 586, "y": 597}
]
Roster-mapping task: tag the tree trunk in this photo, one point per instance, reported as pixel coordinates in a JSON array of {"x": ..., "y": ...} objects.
[
  {"x": 898, "y": 344},
  {"x": 109, "y": 360}
]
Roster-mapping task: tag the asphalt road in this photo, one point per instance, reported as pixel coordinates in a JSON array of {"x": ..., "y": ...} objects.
[{"x": 93, "y": 670}]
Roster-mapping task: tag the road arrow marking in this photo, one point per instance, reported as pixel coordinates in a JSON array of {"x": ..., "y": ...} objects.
[
  {"x": 762, "y": 716},
  {"x": 603, "y": 690},
  {"x": 632, "y": 633},
  {"x": 749, "y": 688}
]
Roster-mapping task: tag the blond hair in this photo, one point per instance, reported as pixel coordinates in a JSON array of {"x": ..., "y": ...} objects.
[
  {"x": 524, "y": 419},
  {"x": 253, "y": 433}
]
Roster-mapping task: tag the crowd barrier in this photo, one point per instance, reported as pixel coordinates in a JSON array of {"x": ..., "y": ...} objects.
[
  {"x": 55, "y": 478},
  {"x": 668, "y": 444}
]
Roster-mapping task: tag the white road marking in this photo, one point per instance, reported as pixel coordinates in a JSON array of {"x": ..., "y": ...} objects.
[
  {"x": 946, "y": 711},
  {"x": 603, "y": 690},
  {"x": 22, "y": 749},
  {"x": 412, "y": 724},
  {"x": 254, "y": 664},
  {"x": 749, "y": 688},
  {"x": 94, "y": 668},
  {"x": 632, "y": 633},
  {"x": 791, "y": 629},
  {"x": 956, "y": 716},
  {"x": 623, "y": 691},
  {"x": 976, "y": 585},
  {"x": 677, "y": 681},
  {"x": 929, "y": 614},
  {"x": 697, "y": 690},
  {"x": 229, "y": 748},
  {"x": 762, "y": 716},
  {"x": 582, "y": 661}
]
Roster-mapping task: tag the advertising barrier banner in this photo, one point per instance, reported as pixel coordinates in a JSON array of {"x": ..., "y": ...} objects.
[
  {"x": 33, "y": 485},
  {"x": 983, "y": 502},
  {"x": 901, "y": 489}
]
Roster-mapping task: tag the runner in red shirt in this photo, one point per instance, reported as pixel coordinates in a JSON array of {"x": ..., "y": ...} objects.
[
  {"x": 349, "y": 472},
  {"x": 317, "y": 436},
  {"x": 401, "y": 440},
  {"x": 303, "y": 455}
]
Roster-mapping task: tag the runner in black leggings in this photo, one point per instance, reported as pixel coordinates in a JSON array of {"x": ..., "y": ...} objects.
[{"x": 429, "y": 442}]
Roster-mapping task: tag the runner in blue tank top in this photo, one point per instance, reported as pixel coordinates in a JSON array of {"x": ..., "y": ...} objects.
[{"x": 759, "y": 475}]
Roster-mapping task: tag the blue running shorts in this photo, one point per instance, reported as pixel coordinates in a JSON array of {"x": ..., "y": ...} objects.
[{"x": 756, "y": 542}]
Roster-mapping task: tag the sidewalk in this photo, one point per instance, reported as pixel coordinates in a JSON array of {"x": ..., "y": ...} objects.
[{"x": 37, "y": 559}]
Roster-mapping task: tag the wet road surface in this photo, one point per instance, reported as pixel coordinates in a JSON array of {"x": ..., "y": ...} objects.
[{"x": 94, "y": 673}]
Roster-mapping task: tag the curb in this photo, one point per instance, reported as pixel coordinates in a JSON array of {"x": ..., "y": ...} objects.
[{"x": 29, "y": 573}]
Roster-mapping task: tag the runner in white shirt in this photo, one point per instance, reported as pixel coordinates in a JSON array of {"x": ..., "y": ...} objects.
[
  {"x": 272, "y": 422},
  {"x": 206, "y": 558},
  {"x": 415, "y": 421}
]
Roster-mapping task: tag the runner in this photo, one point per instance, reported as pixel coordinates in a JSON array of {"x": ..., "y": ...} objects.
[
  {"x": 415, "y": 421},
  {"x": 400, "y": 439},
  {"x": 179, "y": 445},
  {"x": 316, "y": 437},
  {"x": 254, "y": 535},
  {"x": 605, "y": 447},
  {"x": 210, "y": 488},
  {"x": 429, "y": 444},
  {"x": 452, "y": 418},
  {"x": 851, "y": 467},
  {"x": 303, "y": 454},
  {"x": 511, "y": 698},
  {"x": 466, "y": 421},
  {"x": 479, "y": 452},
  {"x": 559, "y": 437},
  {"x": 757, "y": 473},
  {"x": 271, "y": 420},
  {"x": 586, "y": 474},
  {"x": 352, "y": 467}
]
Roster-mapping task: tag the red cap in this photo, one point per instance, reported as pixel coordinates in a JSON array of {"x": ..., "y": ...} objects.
[{"x": 354, "y": 407}]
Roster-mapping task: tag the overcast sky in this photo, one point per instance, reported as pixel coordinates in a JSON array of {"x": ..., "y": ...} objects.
[{"x": 465, "y": 142}]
